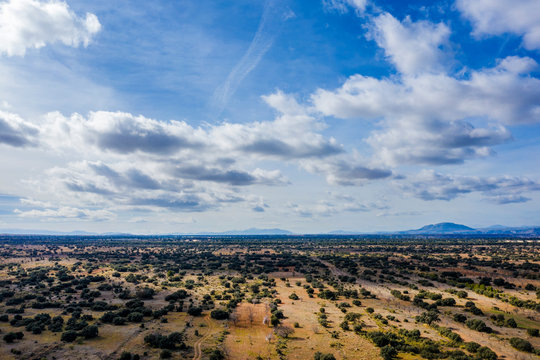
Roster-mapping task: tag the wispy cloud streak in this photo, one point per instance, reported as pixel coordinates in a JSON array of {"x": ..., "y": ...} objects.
[{"x": 275, "y": 14}]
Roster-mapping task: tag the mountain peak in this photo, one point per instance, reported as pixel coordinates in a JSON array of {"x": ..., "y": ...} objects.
[{"x": 444, "y": 228}]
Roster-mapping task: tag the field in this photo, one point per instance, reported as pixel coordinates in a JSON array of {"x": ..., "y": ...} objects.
[{"x": 269, "y": 298}]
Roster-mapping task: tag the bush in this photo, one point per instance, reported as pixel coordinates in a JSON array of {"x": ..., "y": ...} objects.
[
  {"x": 532, "y": 332},
  {"x": 90, "y": 332},
  {"x": 135, "y": 317},
  {"x": 219, "y": 314},
  {"x": 511, "y": 323},
  {"x": 12, "y": 336},
  {"x": 320, "y": 356},
  {"x": 460, "y": 318},
  {"x": 328, "y": 295},
  {"x": 379, "y": 338},
  {"x": 293, "y": 296},
  {"x": 428, "y": 317},
  {"x": 165, "y": 354},
  {"x": 125, "y": 356},
  {"x": 486, "y": 353},
  {"x": 69, "y": 336},
  {"x": 194, "y": 311},
  {"x": 478, "y": 325},
  {"x": 146, "y": 293},
  {"x": 472, "y": 346},
  {"x": 164, "y": 342},
  {"x": 217, "y": 355},
  {"x": 388, "y": 352},
  {"x": 521, "y": 344}
]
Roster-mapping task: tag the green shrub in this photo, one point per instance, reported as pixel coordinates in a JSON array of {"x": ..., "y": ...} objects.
[
  {"x": 69, "y": 336},
  {"x": 219, "y": 314},
  {"x": 521, "y": 344},
  {"x": 388, "y": 352}
]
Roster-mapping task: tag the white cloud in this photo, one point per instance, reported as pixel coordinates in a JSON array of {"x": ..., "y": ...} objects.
[
  {"x": 413, "y": 47},
  {"x": 26, "y": 24},
  {"x": 15, "y": 131},
  {"x": 134, "y": 162},
  {"x": 431, "y": 118},
  {"x": 425, "y": 114},
  {"x": 346, "y": 171},
  {"x": 292, "y": 135},
  {"x": 66, "y": 212},
  {"x": 496, "y": 17},
  {"x": 431, "y": 185},
  {"x": 343, "y": 6}
]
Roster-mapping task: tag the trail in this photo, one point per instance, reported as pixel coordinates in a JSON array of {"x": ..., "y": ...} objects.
[
  {"x": 122, "y": 344},
  {"x": 198, "y": 343}
]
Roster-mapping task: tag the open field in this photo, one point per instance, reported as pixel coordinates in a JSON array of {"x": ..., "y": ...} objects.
[{"x": 269, "y": 298}]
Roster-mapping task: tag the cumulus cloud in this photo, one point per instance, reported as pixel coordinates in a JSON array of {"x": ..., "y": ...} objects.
[
  {"x": 519, "y": 17},
  {"x": 15, "y": 131},
  {"x": 26, "y": 24},
  {"x": 431, "y": 185},
  {"x": 346, "y": 171},
  {"x": 121, "y": 186},
  {"x": 413, "y": 47},
  {"x": 425, "y": 114},
  {"x": 293, "y": 134}
]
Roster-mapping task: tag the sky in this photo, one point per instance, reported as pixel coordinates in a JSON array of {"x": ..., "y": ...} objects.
[{"x": 307, "y": 115}]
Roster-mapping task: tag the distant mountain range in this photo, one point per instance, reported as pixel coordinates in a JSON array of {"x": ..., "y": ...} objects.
[
  {"x": 444, "y": 228},
  {"x": 447, "y": 228}
]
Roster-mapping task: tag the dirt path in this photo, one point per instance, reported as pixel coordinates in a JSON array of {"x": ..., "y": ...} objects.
[
  {"x": 122, "y": 344},
  {"x": 198, "y": 343}
]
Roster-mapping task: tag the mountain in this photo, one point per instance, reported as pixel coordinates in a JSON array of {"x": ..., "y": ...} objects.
[
  {"x": 447, "y": 228},
  {"x": 443, "y": 228},
  {"x": 505, "y": 230}
]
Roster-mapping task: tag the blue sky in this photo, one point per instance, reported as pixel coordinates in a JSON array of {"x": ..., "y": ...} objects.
[{"x": 155, "y": 117}]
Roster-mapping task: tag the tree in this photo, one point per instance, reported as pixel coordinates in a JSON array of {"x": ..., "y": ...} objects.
[
  {"x": 219, "y": 314},
  {"x": 194, "y": 311},
  {"x": 69, "y": 336},
  {"x": 90, "y": 332},
  {"x": 283, "y": 331}
]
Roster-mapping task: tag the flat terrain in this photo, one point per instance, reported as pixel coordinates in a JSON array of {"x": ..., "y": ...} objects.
[{"x": 269, "y": 298}]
